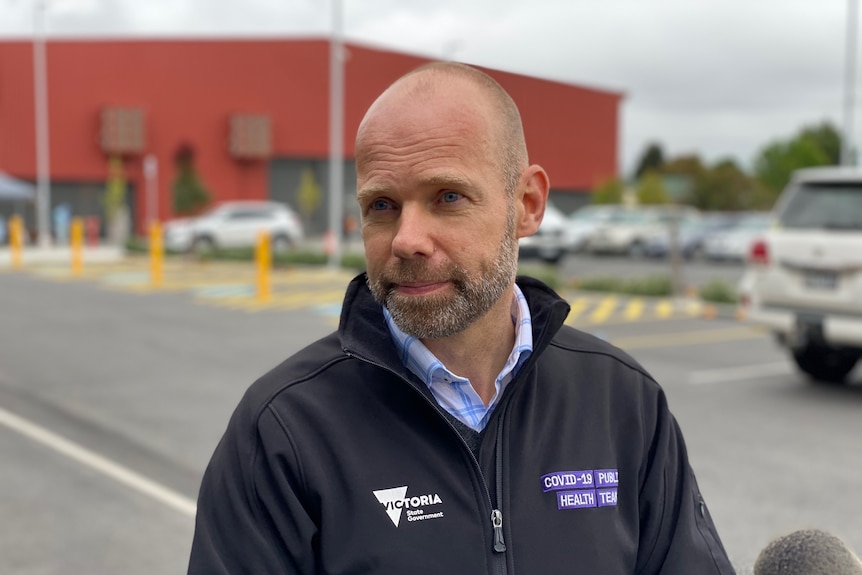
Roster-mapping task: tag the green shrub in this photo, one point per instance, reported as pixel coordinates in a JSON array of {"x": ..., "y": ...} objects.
[
  {"x": 547, "y": 274},
  {"x": 718, "y": 291},
  {"x": 647, "y": 286}
]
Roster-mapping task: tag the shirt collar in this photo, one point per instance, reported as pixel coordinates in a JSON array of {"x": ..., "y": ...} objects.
[{"x": 460, "y": 403}]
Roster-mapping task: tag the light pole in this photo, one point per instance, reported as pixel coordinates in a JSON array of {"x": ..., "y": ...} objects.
[
  {"x": 849, "y": 83},
  {"x": 40, "y": 101},
  {"x": 336, "y": 135}
]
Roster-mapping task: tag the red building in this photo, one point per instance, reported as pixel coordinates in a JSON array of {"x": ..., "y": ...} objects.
[{"x": 256, "y": 113}]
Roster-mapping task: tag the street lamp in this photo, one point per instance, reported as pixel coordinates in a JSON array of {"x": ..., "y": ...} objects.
[
  {"x": 40, "y": 101},
  {"x": 336, "y": 135},
  {"x": 849, "y": 83}
]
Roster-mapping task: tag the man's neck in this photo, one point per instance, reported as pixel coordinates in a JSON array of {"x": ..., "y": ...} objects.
[{"x": 480, "y": 351}]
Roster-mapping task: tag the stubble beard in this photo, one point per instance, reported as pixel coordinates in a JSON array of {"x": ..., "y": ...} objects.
[{"x": 436, "y": 316}]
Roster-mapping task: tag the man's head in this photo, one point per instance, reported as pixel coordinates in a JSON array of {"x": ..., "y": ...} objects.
[{"x": 445, "y": 191}]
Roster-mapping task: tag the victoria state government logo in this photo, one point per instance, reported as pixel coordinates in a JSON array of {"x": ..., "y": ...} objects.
[{"x": 395, "y": 501}]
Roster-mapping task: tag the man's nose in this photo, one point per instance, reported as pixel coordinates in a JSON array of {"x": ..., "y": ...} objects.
[{"x": 414, "y": 236}]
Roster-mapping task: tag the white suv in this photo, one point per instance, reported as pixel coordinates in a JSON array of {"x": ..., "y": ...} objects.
[
  {"x": 804, "y": 275},
  {"x": 235, "y": 224}
]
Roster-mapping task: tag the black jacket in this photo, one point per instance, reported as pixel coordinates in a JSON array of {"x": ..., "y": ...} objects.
[{"x": 339, "y": 462}]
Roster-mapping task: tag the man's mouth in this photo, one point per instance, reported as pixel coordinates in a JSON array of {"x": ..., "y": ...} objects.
[{"x": 418, "y": 287}]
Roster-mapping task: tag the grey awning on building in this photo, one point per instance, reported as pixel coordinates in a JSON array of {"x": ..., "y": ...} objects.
[{"x": 15, "y": 190}]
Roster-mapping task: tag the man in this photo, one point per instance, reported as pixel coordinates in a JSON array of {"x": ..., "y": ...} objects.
[{"x": 453, "y": 424}]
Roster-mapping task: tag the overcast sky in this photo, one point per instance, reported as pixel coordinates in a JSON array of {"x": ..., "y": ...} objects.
[{"x": 720, "y": 78}]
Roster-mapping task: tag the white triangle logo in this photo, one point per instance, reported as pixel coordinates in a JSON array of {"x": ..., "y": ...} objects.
[{"x": 388, "y": 498}]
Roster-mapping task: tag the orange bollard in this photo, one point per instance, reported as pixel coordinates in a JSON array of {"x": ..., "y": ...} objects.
[
  {"x": 263, "y": 257},
  {"x": 77, "y": 246},
  {"x": 16, "y": 239},
  {"x": 157, "y": 255}
]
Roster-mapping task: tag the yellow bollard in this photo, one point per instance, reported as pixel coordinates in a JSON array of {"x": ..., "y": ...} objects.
[
  {"x": 263, "y": 258},
  {"x": 157, "y": 255},
  {"x": 16, "y": 239},
  {"x": 77, "y": 246}
]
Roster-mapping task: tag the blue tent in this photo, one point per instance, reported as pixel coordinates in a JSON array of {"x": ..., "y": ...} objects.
[{"x": 12, "y": 189}]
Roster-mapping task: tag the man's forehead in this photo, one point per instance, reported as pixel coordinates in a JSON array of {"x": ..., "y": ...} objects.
[{"x": 425, "y": 95}]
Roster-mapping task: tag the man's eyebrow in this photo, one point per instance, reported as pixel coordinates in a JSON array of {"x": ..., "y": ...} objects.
[
  {"x": 447, "y": 181},
  {"x": 371, "y": 191}
]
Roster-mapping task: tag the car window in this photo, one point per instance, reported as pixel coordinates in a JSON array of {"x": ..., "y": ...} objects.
[
  {"x": 250, "y": 214},
  {"x": 823, "y": 206}
]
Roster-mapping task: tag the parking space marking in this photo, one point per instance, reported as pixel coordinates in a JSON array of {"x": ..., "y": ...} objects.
[
  {"x": 664, "y": 309},
  {"x": 732, "y": 374},
  {"x": 605, "y": 308},
  {"x": 99, "y": 463},
  {"x": 634, "y": 309},
  {"x": 231, "y": 285}
]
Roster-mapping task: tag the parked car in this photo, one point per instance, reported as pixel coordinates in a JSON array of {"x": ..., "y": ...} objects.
[
  {"x": 235, "y": 224},
  {"x": 804, "y": 276},
  {"x": 692, "y": 235},
  {"x": 548, "y": 243},
  {"x": 581, "y": 224},
  {"x": 733, "y": 243},
  {"x": 628, "y": 229}
]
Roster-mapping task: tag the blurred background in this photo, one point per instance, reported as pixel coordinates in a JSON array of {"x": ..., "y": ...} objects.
[{"x": 669, "y": 130}]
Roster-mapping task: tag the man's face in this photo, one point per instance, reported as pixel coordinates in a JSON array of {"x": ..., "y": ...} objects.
[{"x": 438, "y": 226}]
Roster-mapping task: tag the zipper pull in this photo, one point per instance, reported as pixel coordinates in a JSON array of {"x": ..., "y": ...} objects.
[{"x": 497, "y": 522}]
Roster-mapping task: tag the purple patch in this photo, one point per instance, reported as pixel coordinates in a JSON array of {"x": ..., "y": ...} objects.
[
  {"x": 607, "y": 477},
  {"x": 576, "y": 499},
  {"x": 607, "y": 497},
  {"x": 568, "y": 480}
]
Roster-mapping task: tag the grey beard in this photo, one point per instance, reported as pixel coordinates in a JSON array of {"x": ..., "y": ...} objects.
[{"x": 444, "y": 315}]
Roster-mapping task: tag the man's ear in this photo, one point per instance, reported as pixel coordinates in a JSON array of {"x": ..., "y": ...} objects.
[{"x": 531, "y": 198}]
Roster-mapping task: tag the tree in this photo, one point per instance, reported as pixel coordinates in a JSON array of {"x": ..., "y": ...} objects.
[
  {"x": 684, "y": 165},
  {"x": 777, "y": 161},
  {"x": 115, "y": 190},
  {"x": 609, "y": 191},
  {"x": 189, "y": 193},
  {"x": 828, "y": 140},
  {"x": 652, "y": 159},
  {"x": 651, "y": 190},
  {"x": 726, "y": 187}
]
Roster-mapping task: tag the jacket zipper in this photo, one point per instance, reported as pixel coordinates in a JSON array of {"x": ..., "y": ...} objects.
[{"x": 499, "y": 545}]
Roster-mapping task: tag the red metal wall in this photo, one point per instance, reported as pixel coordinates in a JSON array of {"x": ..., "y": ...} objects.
[{"x": 188, "y": 89}]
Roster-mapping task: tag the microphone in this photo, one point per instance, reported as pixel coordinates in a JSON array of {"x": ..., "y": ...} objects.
[{"x": 807, "y": 552}]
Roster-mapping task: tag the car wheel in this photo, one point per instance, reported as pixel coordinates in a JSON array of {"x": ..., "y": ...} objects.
[
  {"x": 203, "y": 245},
  {"x": 281, "y": 244},
  {"x": 637, "y": 250},
  {"x": 552, "y": 258},
  {"x": 824, "y": 364},
  {"x": 697, "y": 253}
]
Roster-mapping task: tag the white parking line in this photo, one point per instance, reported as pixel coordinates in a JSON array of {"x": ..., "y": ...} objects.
[
  {"x": 739, "y": 373},
  {"x": 99, "y": 463}
]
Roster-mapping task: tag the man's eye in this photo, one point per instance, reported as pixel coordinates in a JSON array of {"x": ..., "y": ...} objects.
[
  {"x": 449, "y": 197},
  {"x": 380, "y": 205}
]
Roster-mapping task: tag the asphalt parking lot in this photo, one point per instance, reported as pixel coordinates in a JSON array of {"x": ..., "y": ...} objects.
[{"x": 113, "y": 396}]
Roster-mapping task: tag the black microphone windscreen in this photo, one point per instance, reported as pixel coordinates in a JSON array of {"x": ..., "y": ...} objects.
[{"x": 807, "y": 552}]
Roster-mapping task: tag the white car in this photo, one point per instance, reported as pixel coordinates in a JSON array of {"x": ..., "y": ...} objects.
[
  {"x": 628, "y": 230},
  {"x": 733, "y": 243},
  {"x": 548, "y": 243},
  {"x": 235, "y": 224},
  {"x": 581, "y": 224},
  {"x": 804, "y": 276}
]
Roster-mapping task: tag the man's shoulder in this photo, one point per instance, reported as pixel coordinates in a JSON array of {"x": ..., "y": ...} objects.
[
  {"x": 584, "y": 347},
  {"x": 306, "y": 365}
]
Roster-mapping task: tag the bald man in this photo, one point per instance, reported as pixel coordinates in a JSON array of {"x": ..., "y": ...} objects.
[{"x": 453, "y": 423}]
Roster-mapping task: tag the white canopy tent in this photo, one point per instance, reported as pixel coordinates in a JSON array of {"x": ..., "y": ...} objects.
[{"x": 14, "y": 190}]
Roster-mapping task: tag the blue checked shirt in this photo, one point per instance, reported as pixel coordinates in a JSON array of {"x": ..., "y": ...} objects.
[{"x": 454, "y": 393}]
